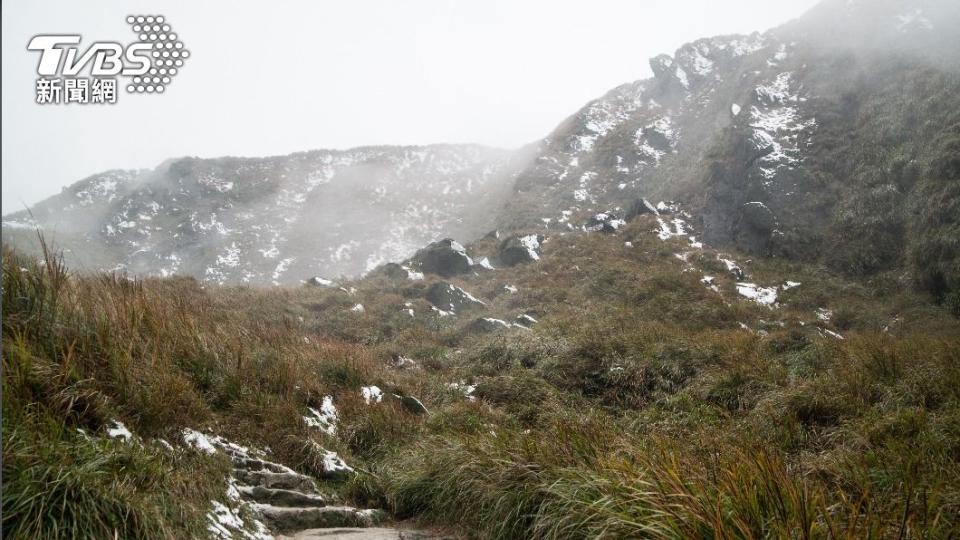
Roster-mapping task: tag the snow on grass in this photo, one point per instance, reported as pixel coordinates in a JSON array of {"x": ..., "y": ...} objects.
[
  {"x": 358, "y": 308},
  {"x": 371, "y": 394},
  {"x": 666, "y": 232},
  {"x": 824, "y": 314},
  {"x": 711, "y": 283},
  {"x": 765, "y": 296},
  {"x": 485, "y": 263},
  {"x": 466, "y": 389},
  {"x": 441, "y": 312},
  {"x": 527, "y": 319},
  {"x": 413, "y": 275},
  {"x": 198, "y": 441},
  {"x": 119, "y": 431},
  {"x": 498, "y": 322},
  {"x": 510, "y": 288},
  {"x": 324, "y": 419},
  {"x": 830, "y": 333}
]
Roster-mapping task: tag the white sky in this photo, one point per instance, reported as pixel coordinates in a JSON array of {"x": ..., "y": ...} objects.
[{"x": 277, "y": 77}]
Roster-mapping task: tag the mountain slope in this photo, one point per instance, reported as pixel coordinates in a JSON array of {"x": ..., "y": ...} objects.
[
  {"x": 273, "y": 220},
  {"x": 832, "y": 138}
]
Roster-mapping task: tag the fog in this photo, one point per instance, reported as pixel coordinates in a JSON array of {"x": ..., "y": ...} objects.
[{"x": 274, "y": 78}]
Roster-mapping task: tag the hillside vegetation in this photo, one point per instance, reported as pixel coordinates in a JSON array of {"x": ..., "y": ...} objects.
[{"x": 642, "y": 403}]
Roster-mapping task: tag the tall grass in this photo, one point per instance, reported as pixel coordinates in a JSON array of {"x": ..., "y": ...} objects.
[{"x": 638, "y": 408}]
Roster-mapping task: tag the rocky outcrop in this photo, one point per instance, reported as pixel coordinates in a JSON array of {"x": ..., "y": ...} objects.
[
  {"x": 450, "y": 298},
  {"x": 607, "y": 222},
  {"x": 516, "y": 250},
  {"x": 445, "y": 258},
  {"x": 639, "y": 207},
  {"x": 487, "y": 325}
]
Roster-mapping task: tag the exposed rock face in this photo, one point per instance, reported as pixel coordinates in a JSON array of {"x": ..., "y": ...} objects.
[
  {"x": 515, "y": 250},
  {"x": 449, "y": 298},
  {"x": 799, "y": 117},
  {"x": 639, "y": 207},
  {"x": 280, "y": 219},
  {"x": 444, "y": 258},
  {"x": 791, "y": 117}
]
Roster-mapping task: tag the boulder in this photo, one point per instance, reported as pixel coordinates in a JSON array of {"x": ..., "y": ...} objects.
[
  {"x": 447, "y": 297},
  {"x": 606, "y": 222},
  {"x": 318, "y": 281},
  {"x": 639, "y": 207},
  {"x": 515, "y": 250},
  {"x": 758, "y": 216},
  {"x": 413, "y": 405},
  {"x": 487, "y": 325},
  {"x": 444, "y": 258}
]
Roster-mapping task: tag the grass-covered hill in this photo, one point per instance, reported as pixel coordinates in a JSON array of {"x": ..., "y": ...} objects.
[{"x": 633, "y": 384}]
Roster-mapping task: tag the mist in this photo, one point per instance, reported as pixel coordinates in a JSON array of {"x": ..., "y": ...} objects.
[{"x": 305, "y": 75}]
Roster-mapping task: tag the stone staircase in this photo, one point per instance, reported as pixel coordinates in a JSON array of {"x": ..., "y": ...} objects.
[{"x": 289, "y": 501}]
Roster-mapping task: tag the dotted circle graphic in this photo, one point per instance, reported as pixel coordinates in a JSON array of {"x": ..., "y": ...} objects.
[{"x": 167, "y": 52}]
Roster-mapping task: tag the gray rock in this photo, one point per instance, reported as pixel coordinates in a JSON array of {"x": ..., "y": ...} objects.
[
  {"x": 345, "y": 533},
  {"x": 448, "y": 297},
  {"x": 282, "y": 497},
  {"x": 444, "y": 258},
  {"x": 639, "y": 207},
  {"x": 526, "y": 319},
  {"x": 253, "y": 464},
  {"x": 662, "y": 66},
  {"x": 286, "y": 519},
  {"x": 413, "y": 404},
  {"x": 758, "y": 216},
  {"x": 607, "y": 222},
  {"x": 515, "y": 250},
  {"x": 283, "y": 480},
  {"x": 318, "y": 281},
  {"x": 487, "y": 325}
]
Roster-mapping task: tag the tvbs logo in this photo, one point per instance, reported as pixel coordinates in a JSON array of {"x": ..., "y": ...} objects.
[{"x": 147, "y": 65}]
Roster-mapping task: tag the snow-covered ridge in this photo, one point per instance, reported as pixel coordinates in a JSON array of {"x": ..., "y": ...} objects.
[{"x": 279, "y": 220}]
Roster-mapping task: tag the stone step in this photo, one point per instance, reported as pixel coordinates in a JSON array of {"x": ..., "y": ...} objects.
[
  {"x": 254, "y": 464},
  {"x": 286, "y": 519},
  {"x": 276, "y": 480},
  {"x": 351, "y": 533},
  {"x": 282, "y": 497}
]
